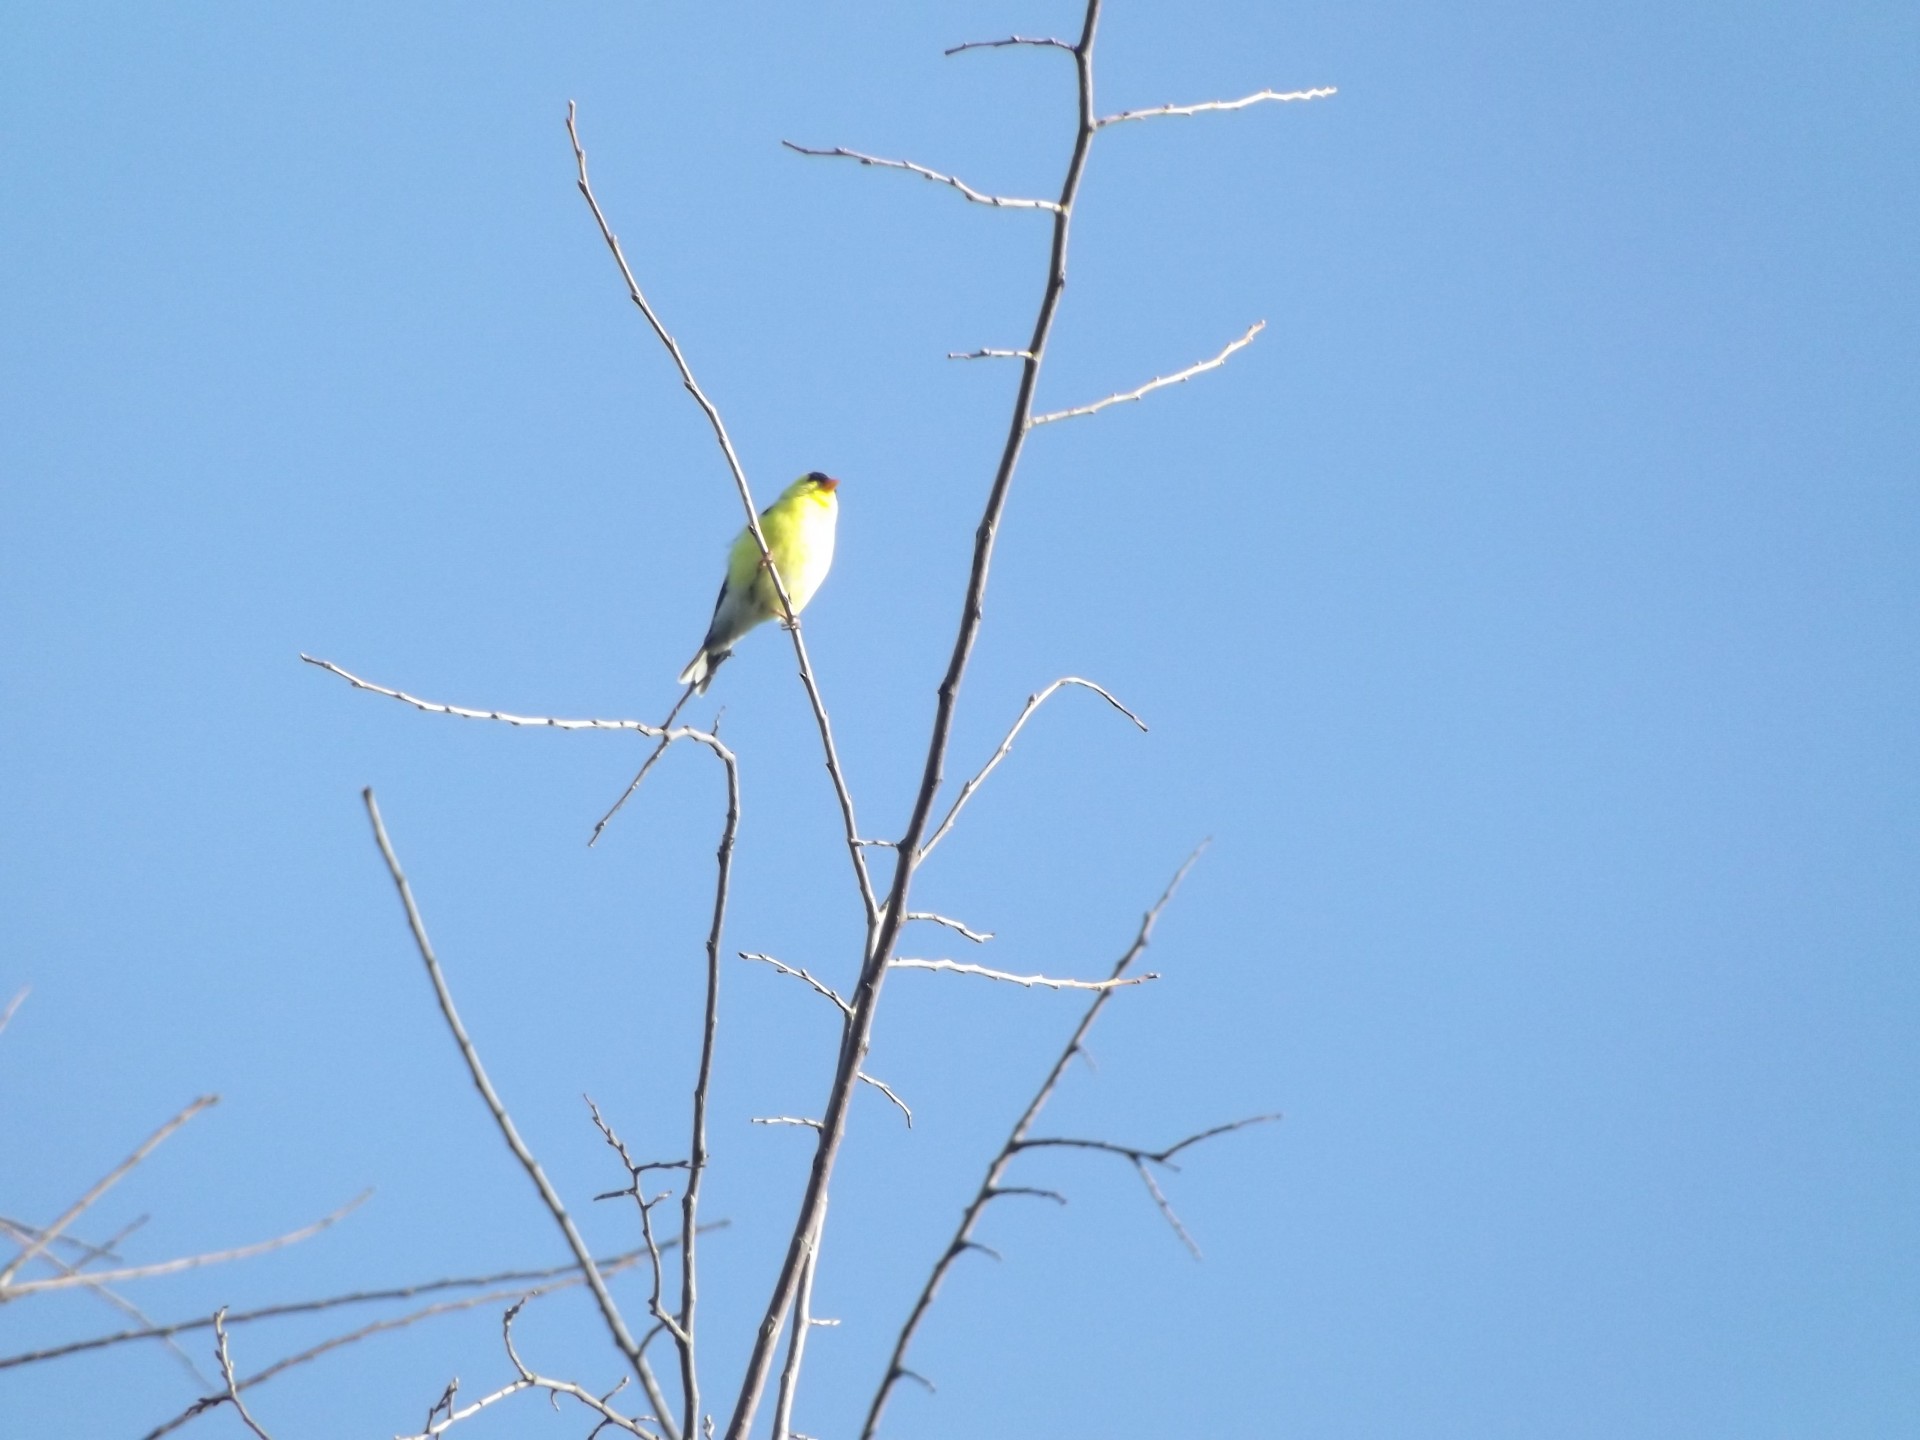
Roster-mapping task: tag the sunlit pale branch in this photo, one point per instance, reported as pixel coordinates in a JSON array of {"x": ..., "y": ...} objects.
[
  {"x": 1046, "y": 982},
  {"x": 999, "y": 202},
  {"x": 1034, "y": 702},
  {"x": 989, "y": 354},
  {"x": 610, "y": 1313},
  {"x": 887, "y": 1091},
  {"x": 785, "y": 1120},
  {"x": 819, "y": 987},
  {"x": 991, "y": 1185},
  {"x": 1046, "y": 42},
  {"x": 884, "y": 927},
  {"x": 1160, "y": 384},
  {"x": 529, "y": 1380},
  {"x": 562, "y": 1387},
  {"x": 184, "y": 1262},
  {"x": 106, "y": 1182},
  {"x": 19, "y": 999},
  {"x": 725, "y": 442},
  {"x": 1205, "y": 106},
  {"x": 979, "y": 937},
  {"x": 226, "y": 1373}
]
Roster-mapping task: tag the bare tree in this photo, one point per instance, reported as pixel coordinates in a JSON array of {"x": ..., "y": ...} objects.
[{"x": 883, "y": 873}]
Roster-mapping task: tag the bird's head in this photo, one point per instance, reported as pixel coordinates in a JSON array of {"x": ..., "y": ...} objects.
[{"x": 816, "y": 485}]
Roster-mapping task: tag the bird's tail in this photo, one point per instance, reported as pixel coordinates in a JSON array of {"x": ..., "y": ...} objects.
[{"x": 699, "y": 671}]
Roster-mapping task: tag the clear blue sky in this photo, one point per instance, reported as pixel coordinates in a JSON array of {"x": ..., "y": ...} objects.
[{"x": 1529, "y": 617}]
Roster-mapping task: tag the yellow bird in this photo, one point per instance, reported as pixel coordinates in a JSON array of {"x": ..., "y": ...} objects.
[{"x": 799, "y": 530}]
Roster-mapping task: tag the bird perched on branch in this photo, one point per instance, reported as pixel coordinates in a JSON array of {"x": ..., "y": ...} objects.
[{"x": 799, "y": 530}]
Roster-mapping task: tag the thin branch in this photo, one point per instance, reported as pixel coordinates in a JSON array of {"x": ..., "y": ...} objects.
[
  {"x": 1206, "y": 106},
  {"x": 1139, "y": 1154},
  {"x": 999, "y": 202},
  {"x": 784, "y": 1120},
  {"x": 636, "y": 1173},
  {"x": 1166, "y": 1209},
  {"x": 989, "y": 354},
  {"x": 90, "y": 1253},
  {"x": 797, "y": 1343},
  {"x": 1141, "y": 1159},
  {"x": 19, "y": 999},
  {"x": 725, "y": 442},
  {"x": 685, "y": 1329},
  {"x": 1034, "y": 702},
  {"x": 887, "y": 1090},
  {"x": 1179, "y": 378},
  {"x": 616, "y": 1324},
  {"x": 884, "y": 926},
  {"x": 645, "y": 765},
  {"x": 609, "y": 1266},
  {"x": 819, "y": 987},
  {"x": 185, "y": 1262},
  {"x": 979, "y": 937},
  {"x": 113, "y": 1177},
  {"x": 1047, "y": 982},
  {"x": 543, "y": 721},
  {"x": 991, "y": 1185},
  {"x": 528, "y": 1380},
  {"x": 1010, "y": 40}
]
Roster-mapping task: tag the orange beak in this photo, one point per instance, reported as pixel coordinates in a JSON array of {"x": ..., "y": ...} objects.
[{"x": 829, "y": 483}]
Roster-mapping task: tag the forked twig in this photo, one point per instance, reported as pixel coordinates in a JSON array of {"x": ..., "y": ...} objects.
[
  {"x": 1142, "y": 1158},
  {"x": 1178, "y": 378}
]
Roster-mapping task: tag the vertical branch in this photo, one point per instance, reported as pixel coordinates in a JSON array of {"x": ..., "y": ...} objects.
[
  {"x": 697, "y": 1150},
  {"x": 616, "y": 1324},
  {"x": 797, "y": 1342},
  {"x": 859, "y": 1031}
]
